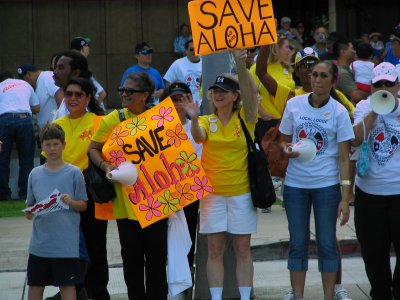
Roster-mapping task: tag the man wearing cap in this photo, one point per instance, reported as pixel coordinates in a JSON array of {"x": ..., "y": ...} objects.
[
  {"x": 81, "y": 44},
  {"x": 144, "y": 57},
  {"x": 377, "y": 201},
  {"x": 50, "y": 96},
  {"x": 286, "y": 30},
  {"x": 188, "y": 70},
  {"x": 17, "y": 102},
  {"x": 345, "y": 54}
]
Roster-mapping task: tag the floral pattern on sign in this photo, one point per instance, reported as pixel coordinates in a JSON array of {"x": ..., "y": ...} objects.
[
  {"x": 169, "y": 202},
  {"x": 117, "y": 157},
  {"x": 201, "y": 187},
  {"x": 136, "y": 125},
  {"x": 151, "y": 208},
  {"x": 163, "y": 116},
  {"x": 176, "y": 136},
  {"x": 187, "y": 162},
  {"x": 118, "y": 135},
  {"x": 182, "y": 193}
]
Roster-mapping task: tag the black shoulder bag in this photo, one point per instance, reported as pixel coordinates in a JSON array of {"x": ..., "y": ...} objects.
[
  {"x": 261, "y": 186},
  {"x": 100, "y": 189}
]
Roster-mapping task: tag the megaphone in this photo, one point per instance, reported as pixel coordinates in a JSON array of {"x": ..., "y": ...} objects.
[
  {"x": 126, "y": 174},
  {"x": 382, "y": 102},
  {"x": 306, "y": 148}
]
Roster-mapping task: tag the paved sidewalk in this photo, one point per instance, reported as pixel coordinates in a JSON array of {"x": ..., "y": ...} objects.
[{"x": 271, "y": 277}]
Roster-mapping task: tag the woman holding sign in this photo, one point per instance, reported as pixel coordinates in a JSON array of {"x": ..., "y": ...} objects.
[
  {"x": 136, "y": 243},
  {"x": 229, "y": 209}
]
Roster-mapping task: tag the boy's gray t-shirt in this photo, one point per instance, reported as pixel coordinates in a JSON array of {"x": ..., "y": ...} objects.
[{"x": 55, "y": 234}]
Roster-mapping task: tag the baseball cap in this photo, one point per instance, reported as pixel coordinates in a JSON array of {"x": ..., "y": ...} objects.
[
  {"x": 225, "y": 83},
  {"x": 178, "y": 88},
  {"x": 78, "y": 42},
  {"x": 143, "y": 48},
  {"x": 307, "y": 52},
  {"x": 384, "y": 71},
  {"x": 286, "y": 20},
  {"x": 23, "y": 69}
]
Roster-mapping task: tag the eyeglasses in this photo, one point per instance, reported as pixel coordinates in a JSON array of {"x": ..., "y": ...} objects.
[
  {"x": 70, "y": 94},
  {"x": 146, "y": 51},
  {"x": 252, "y": 50},
  {"x": 128, "y": 91},
  {"x": 306, "y": 64},
  {"x": 386, "y": 83}
]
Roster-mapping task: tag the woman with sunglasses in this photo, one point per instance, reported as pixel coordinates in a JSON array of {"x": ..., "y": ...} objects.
[
  {"x": 142, "y": 250},
  {"x": 377, "y": 193},
  {"x": 229, "y": 209},
  {"x": 78, "y": 126},
  {"x": 322, "y": 184}
]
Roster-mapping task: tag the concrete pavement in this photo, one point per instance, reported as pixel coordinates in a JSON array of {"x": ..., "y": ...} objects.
[{"x": 269, "y": 245}]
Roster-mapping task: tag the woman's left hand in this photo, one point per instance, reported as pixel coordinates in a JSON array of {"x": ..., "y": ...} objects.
[
  {"x": 343, "y": 212},
  {"x": 239, "y": 54}
]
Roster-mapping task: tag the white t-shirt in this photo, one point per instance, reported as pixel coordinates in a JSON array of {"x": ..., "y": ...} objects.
[
  {"x": 363, "y": 71},
  {"x": 383, "y": 173},
  {"x": 46, "y": 90},
  {"x": 16, "y": 96},
  {"x": 187, "y": 72},
  {"x": 326, "y": 127}
]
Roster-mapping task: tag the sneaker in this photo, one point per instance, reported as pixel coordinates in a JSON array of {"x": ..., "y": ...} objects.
[
  {"x": 276, "y": 181},
  {"x": 341, "y": 293},
  {"x": 266, "y": 210},
  {"x": 288, "y": 295}
]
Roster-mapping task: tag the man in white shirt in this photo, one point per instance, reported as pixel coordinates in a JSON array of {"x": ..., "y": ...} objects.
[
  {"x": 17, "y": 102},
  {"x": 50, "y": 96},
  {"x": 188, "y": 70}
]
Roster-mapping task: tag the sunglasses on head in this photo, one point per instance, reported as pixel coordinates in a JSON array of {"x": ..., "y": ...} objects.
[
  {"x": 382, "y": 83},
  {"x": 70, "y": 94},
  {"x": 128, "y": 91},
  {"x": 146, "y": 51}
]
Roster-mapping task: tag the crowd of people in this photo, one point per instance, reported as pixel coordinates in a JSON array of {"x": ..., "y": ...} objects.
[{"x": 311, "y": 86}]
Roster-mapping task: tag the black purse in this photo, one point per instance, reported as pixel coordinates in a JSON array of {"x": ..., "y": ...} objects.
[
  {"x": 100, "y": 189},
  {"x": 261, "y": 186}
]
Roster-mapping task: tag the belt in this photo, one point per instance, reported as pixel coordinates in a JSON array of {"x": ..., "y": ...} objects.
[{"x": 19, "y": 115}]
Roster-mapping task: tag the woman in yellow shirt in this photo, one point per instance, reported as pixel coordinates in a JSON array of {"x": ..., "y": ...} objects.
[
  {"x": 136, "y": 243},
  {"x": 78, "y": 126},
  {"x": 229, "y": 208}
]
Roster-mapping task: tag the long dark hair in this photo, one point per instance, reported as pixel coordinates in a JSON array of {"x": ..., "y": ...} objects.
[{"x": 87, "y": 86}]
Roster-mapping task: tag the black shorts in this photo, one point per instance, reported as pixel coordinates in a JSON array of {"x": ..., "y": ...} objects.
[{"x": 43, "y": 271}]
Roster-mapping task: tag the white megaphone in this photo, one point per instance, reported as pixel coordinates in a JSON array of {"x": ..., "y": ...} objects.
[
  {"x": 126, "y": 174},
  {"x": 306, "y": 148},
  {"x": 382, "y": 102}
]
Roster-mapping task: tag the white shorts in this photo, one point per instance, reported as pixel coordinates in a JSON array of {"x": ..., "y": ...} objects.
[{"x": 233, "y": 214}]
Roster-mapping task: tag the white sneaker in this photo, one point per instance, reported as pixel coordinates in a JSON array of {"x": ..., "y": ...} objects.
[
  {"x": 276, "y": 181},
  {"x": 288, "y": 295},
  {"x": 341, "y": 293}
]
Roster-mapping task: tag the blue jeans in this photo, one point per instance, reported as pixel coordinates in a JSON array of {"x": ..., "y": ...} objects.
[
  {"x": 16, "y": 128},
  {"x": 298, "y": 202}
]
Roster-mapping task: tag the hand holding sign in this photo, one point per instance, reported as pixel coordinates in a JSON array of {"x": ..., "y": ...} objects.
[{"x": 219, "y": 25}]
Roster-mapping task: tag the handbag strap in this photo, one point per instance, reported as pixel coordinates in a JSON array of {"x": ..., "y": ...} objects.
[{"x": 250, "y": 144}]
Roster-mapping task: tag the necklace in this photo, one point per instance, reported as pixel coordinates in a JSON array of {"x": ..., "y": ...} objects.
[{"x": 76, "y": 126}]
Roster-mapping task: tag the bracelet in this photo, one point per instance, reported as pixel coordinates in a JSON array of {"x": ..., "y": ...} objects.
[{"x": 345, "y": 182}]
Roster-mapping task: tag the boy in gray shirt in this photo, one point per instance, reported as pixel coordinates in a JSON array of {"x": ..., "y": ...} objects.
[{"x": 54, "y": 245}]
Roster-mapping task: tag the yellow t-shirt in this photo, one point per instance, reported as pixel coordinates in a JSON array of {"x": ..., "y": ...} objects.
[
  {"x": 344, "y": 100},
  {"x": 275, "y": 105},
  {"x": 78, "y": 133},
  {"x": 224, "y": 157},
  {"x": 121, "y": 205}
]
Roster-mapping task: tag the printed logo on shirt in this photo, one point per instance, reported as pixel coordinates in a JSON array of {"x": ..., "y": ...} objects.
[
  {"x": 384, "y": 141},
  {"x": 86, "y": 135},
  {"x": 192, "y": 80},
  {"x": 314, "y": 132}
]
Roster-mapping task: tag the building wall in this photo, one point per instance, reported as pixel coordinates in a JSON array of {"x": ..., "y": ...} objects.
[{"x": 33, "y": 30}]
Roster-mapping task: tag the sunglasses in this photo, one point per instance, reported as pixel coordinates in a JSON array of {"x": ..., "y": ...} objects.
[
  {"x": 146, "y": 51},
  {"x": 306, "y": 64},
  {"x": 382, "y": 83},
  {"x": 128, "y": 91},
  {"x": 191, "y": 49},
  {"x": 252, "y": 50},
  {"x": 69, "y": 94}
]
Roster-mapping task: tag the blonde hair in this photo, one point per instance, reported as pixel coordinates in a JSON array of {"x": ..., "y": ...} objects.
[
  {"x": 236, "y": 104},
  {"x": 274, "y": 55}
]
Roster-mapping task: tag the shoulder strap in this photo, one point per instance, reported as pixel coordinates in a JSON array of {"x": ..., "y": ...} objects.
[
  {"x": 250, "y": 144},
  {"x": 121, "y": 115}
]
